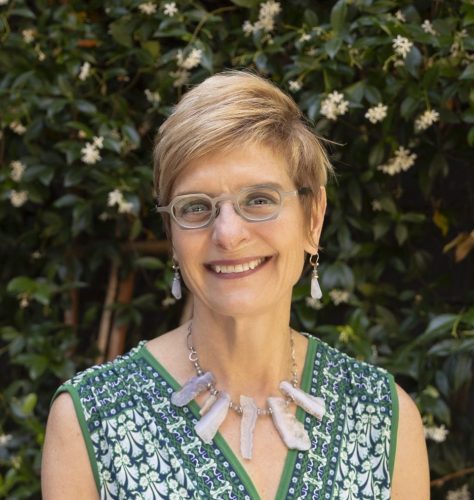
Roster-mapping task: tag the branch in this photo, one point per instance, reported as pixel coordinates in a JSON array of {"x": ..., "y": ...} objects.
[{"x": 453, "y": 475}]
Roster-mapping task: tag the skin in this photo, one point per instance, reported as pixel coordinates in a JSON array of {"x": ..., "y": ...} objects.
[{"x": 240, "y": 328}]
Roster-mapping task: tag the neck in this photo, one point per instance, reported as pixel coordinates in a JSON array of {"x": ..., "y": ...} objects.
[{"x": 248, "y": 356}]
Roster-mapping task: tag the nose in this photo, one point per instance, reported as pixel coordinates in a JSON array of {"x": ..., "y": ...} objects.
[{"x": 229, "y": 230}]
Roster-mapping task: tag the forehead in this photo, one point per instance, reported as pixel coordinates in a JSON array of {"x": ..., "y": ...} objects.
[{"x": 229, "y": 171}]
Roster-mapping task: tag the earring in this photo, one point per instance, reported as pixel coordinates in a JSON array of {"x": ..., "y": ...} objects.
[
  {"x": 176, "y": 285},
  {"x": 315, "y": 288}
]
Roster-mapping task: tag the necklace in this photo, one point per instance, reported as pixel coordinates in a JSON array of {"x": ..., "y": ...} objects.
[{"x": 215, "y": 408}]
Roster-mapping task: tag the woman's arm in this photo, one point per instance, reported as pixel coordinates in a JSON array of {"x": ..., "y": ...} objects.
[
  {"x": 411, "y": 476},
  {"x": 66, "y": 471}
]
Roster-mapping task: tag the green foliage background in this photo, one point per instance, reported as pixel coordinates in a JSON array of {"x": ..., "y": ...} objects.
[{"x": 407, "y": 303}]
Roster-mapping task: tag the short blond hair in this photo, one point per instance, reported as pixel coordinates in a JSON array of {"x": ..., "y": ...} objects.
[{"x": 231, "y": 109}]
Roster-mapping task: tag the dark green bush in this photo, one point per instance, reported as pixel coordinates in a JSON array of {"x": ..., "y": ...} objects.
[{"x": 83, "y": 88}]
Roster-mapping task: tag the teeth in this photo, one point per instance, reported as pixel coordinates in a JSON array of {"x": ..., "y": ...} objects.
[{"x": 239, "y": 268}]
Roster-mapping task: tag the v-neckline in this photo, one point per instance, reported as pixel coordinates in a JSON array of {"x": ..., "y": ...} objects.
[{"x": 221, "y": 443}]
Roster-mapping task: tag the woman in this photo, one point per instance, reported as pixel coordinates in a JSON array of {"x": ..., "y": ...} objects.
[{"x": 240, "y": 181}]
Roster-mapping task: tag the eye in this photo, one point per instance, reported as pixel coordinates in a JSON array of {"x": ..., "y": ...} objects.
[
  {"x": 195, "y": 207},
  {"x": 261, "y": 198}
]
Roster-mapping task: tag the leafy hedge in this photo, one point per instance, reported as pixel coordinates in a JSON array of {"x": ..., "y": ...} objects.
[{"x": 85, "y": 271}]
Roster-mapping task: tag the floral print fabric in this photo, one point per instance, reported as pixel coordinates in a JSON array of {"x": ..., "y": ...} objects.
[{"x": 143, "y": 447}]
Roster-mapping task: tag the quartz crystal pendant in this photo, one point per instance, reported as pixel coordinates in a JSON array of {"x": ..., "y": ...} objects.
[
  {"x": 176, "y": 286},
  {"x": 310, "y": 404},
  {"x": 291, "y": 431},
  {"x": 207, "y": 404},
  {"x": 247, "y": 426},
  {"x": 209, "y": 424},
  {"x": 193, "y": 387},
  {"x": 315, "y": 288}
]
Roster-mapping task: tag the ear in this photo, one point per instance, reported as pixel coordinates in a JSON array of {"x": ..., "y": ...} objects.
[{"x": 317, "y": 219}]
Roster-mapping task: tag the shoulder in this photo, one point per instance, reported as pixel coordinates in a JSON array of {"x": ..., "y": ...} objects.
[
  {"x": 65, "y": 471},
  {"x": 411, "y": 472}
]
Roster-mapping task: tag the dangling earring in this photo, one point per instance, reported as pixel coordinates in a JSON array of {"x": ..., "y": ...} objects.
[
  {"x": 176, "y": 285},
  {"x": 315, "y": 288}
]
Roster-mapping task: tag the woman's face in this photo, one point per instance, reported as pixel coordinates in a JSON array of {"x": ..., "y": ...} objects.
[{"x": 262, "y": 260}]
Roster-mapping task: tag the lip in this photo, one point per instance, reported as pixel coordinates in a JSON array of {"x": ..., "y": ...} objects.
[{"x": 236, "y": 262}]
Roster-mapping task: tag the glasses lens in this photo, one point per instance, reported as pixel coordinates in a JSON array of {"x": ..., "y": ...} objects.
[
  {"x": 259, "y": 203},
  {"x": 192, "y": 211}
]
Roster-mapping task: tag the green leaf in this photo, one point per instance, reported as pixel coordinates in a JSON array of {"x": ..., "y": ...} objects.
[
  {"x": 468, "y": 73},
  {"x": 121, "y": 31},
  {"x": 149, "y": 263},
  {"x": 401, "y": 233},
  {"x": 249, "y": 4},
  {"x": 332, "y": 46},
  {"x": 130, "y": 132},
  {"x": 338, "y": 16},
  {"x": 67, "y": 200}
]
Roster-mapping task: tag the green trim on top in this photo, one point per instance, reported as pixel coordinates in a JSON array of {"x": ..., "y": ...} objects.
[
  {"x": 394, "y": 426},
  {"x": 72, "y": 391},
  {"x": 291, "y": 456},
  {"x": 219, "y": 439}
]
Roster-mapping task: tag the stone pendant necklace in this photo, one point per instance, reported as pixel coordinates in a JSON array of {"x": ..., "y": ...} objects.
[{"x": 216, "y": 406}]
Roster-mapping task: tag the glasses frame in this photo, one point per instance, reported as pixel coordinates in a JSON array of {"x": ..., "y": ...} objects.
[{"x": 234, "y": 199}]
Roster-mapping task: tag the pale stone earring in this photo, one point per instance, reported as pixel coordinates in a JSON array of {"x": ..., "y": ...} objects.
[
  {"x": 176, "y": 285},
  {"x": 315, "y": 288}
]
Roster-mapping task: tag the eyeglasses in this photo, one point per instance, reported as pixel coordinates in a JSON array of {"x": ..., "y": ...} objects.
[{"x": 254, "y": 204}]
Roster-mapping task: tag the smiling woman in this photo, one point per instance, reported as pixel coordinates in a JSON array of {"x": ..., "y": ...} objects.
[{"x": 235, "y": 403}]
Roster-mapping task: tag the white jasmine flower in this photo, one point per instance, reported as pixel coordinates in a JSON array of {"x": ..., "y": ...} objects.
[
  {"x": 168, "y": 301},
  {"x": 339, "y": 296},
  {"x": 427, "y": 27},
  {"x": 266, "y": 17},
  {"x": 376, "y": 206},
  {"x": 17, "y": 127},
  {"x": 98, "y": 142},
  {"x": 104, "y": 216},
  {"x": 305, "y": 37},
  {"x": 147, "y": 8},
  {"x": 39, "y": 53},
  {"x": 5, "y": 438},
  {"x": 294, "y": 85},
  {"x": 459, "y": 494},
  {"x": 3, "y": 2},
  {"x": 334, "y": 105},
  {"x": 402, "y": 46},
  {"x": 191, "y": 61},
  {"x": 170, "y": 9},
  {"x": 90, "y": 154},
  {"x": 248, "y": 28},
  {"x": 181, "y": 77},
  {"x": 115, "y": 197},
  {"x": 36, "y": 255},
  {"x": 152, "y": 97},
  {"x": 125, "y": 207},
  {"x": 426, "y": 119},
  {"x": 24, "y": 300},
  {"x": 84, "y": 72},
  {"x": 399, "y": 15},
  {"x": 28, "y": 35},
  {"x": 437, "y": 434},
  {"x": 18, "y": 198},
  {"x": 376, "y": 113},
  {"x": 313, "y": 303},
  {"x": 401, "y": 161},
  {"x": 17, "y": 169}
]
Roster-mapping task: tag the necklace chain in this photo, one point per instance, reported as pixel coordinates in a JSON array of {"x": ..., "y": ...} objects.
[{"x": 194, "y": 358}]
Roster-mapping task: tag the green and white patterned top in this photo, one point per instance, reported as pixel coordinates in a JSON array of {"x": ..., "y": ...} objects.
[{"x": 142, "y": 447}]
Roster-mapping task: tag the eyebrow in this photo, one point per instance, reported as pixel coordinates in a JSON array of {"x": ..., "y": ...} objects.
[{"x": 274, "y": 185}]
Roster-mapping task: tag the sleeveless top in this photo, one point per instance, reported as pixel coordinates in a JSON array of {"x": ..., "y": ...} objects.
[{"x": 140, "y": 446}]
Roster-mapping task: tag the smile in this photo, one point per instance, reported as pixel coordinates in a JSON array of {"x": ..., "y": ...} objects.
[{"x": 241, "y": 267}]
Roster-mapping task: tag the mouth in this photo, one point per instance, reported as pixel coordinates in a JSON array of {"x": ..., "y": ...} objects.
[{"x": 235, "y": 268}]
